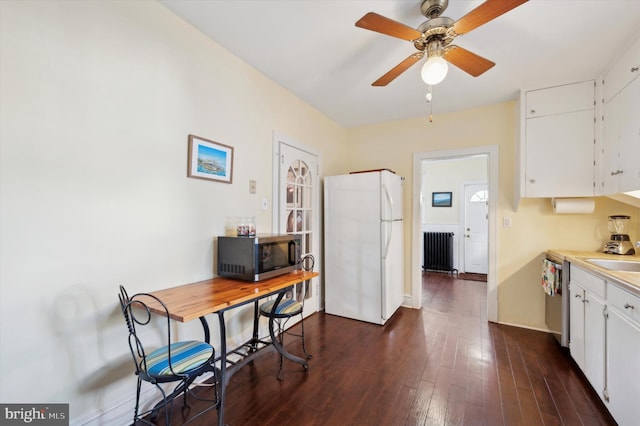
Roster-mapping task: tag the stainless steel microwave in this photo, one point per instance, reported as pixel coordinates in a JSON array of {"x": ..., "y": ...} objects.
[{"x": 257, "y": 258}]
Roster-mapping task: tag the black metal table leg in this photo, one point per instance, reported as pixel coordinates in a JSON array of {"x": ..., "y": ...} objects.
[{"x": 223, "y": 368}]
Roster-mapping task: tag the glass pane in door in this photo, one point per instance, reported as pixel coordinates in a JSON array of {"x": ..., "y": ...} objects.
[{"x": 298, "y": 211}]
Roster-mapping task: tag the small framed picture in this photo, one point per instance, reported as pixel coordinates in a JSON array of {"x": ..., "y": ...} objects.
[
  {"x": 210, "y": 160},
  {"x": 441, "y": 199}
]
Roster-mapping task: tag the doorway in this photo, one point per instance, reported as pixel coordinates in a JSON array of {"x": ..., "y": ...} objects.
[
  {"x": 491, "y": 153},
  {"x": 296, "y": 207}
]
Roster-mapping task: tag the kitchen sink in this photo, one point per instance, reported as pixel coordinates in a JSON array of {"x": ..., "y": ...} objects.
[{"x": 616, "y": 265}]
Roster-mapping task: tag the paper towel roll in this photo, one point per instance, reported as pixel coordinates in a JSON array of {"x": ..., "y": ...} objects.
[{"x": 573, "y": 205}]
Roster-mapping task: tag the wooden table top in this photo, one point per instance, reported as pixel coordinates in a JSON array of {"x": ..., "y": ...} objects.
[{"x": 191, "y": 301}]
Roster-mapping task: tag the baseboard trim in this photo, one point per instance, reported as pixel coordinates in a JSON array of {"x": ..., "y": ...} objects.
[
  {"x": 120, "y": 411},
  {"x": 546, "y": 330}
]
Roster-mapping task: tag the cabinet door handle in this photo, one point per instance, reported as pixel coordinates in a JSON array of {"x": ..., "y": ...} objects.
[
  {"x": 585, "y": 301},
  {"x": 634, "y": 69},
  {"x": 628, "y": 306},
  {"x": 578, "y": 296},
  {"x": 532, "y": 181},
  {"x": 533, "y": 111}
]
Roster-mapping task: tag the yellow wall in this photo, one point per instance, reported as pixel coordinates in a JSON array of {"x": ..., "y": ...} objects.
[
  {"x": 535, "y": 228},
  {"x": 97, "y": 100}
]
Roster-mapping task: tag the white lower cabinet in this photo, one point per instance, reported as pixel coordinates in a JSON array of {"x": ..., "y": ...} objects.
[
  {"x": 604, "y": 340},
  {"x": 594, "y": 341},
  {"x": 576, "y": 324},
  {"x": 587, "y": 325},
  {"x": 623, "y": 356}
]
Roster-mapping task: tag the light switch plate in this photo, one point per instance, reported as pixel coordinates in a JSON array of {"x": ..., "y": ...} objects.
[{"x": 506, "y": 222}]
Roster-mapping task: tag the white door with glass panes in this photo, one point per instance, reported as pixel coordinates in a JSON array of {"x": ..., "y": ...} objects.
[
  {"x": 476, "y": 228},
  {"x": 297, "y": 208}
]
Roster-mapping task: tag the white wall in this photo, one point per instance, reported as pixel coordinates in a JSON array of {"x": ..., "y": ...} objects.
[
  {"x": 97, "y": 100},
  {"x": 449, "y": 176}
]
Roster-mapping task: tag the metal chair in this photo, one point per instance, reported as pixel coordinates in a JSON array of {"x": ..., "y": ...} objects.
[
  {"x": 287, "y": 309},
  {"x": 172, "y": 362}
]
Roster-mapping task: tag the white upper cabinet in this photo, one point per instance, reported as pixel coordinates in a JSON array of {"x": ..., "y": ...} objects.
[
  {"x": 622, "y": 71},
  {"x": 557, "y": 156},
  {"x": 620, "y": 156},
  {"x": 557, "y": 141},
  {"x": 560, "y": 99}
]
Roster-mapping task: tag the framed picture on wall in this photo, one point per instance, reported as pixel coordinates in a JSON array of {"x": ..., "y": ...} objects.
[
  {"x": 210, "y": 160},
  {"x": 441, "y": 199}
]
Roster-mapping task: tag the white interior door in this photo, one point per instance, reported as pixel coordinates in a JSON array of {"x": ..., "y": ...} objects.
[
  {"x": 476, "y": 214},
  {"x": 297, "y": 209}
]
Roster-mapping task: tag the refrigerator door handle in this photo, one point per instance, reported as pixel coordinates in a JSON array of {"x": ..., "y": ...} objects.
[
  {"x": 389, "y": 205},
  {"x": 389, "y": 225}
]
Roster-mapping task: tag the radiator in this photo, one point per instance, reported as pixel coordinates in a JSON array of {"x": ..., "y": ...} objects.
[{"x": 438, "y": 251}]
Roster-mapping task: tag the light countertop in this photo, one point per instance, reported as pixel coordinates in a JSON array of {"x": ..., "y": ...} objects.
[{"x": 627, "y": 280}]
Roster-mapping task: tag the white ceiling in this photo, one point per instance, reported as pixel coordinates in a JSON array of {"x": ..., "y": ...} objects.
[{"x": 313, "y": 49}]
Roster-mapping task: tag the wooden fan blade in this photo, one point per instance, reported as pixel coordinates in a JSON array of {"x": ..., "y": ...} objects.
[
  {"x": 378, "y": 23},
  {"x": 398, "y": 69},
  {"x": 468, "y": 61},
  {"x": 484, "y": 13}
]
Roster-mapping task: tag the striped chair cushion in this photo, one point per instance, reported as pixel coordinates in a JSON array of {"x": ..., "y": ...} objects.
[
  {"x": 285, "y": 307},
  {"x": 185, "y": 356}
]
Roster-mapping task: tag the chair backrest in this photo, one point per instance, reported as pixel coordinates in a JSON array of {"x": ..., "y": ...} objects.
[
  {"x": 307, "y": 263},
  {"x": 138, "y": 316}
]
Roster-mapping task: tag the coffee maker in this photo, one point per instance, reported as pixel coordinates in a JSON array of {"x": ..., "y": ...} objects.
[{"x": 620, "y": 243}]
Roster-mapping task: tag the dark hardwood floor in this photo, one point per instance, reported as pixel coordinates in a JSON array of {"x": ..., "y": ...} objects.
[{"x": 441, "y": 365}]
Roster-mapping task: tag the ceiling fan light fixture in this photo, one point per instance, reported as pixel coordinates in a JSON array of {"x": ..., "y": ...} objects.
[{"x": 434, "y": 70}]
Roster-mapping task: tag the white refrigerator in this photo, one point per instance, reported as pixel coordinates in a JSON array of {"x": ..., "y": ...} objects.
[{"x": 364, "y": 273}]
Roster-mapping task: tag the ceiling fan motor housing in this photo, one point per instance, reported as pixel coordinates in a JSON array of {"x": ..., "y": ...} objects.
[
  {"x": 433, "y": 30},
  {"x": 433, "y": 8}
]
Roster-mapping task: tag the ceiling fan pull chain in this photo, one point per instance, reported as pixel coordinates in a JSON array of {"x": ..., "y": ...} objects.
[
  {"x": 429, "y": 98},
  {"x": 430, "y": 112}
]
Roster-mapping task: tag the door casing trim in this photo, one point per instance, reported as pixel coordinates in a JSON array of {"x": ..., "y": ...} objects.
[{"x": 492, "y": 179}]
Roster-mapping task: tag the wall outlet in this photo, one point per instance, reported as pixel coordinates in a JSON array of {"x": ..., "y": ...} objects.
[
  {"x": 506, "y": 222},
  {"x": 252, "y": 187}
]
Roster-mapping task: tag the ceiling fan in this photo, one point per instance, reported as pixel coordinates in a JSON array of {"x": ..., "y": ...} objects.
[{"x": 434, "y": 36}]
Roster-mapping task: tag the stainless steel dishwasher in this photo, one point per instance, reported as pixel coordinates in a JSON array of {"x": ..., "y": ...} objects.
[{"x": 557, "y": 307}]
